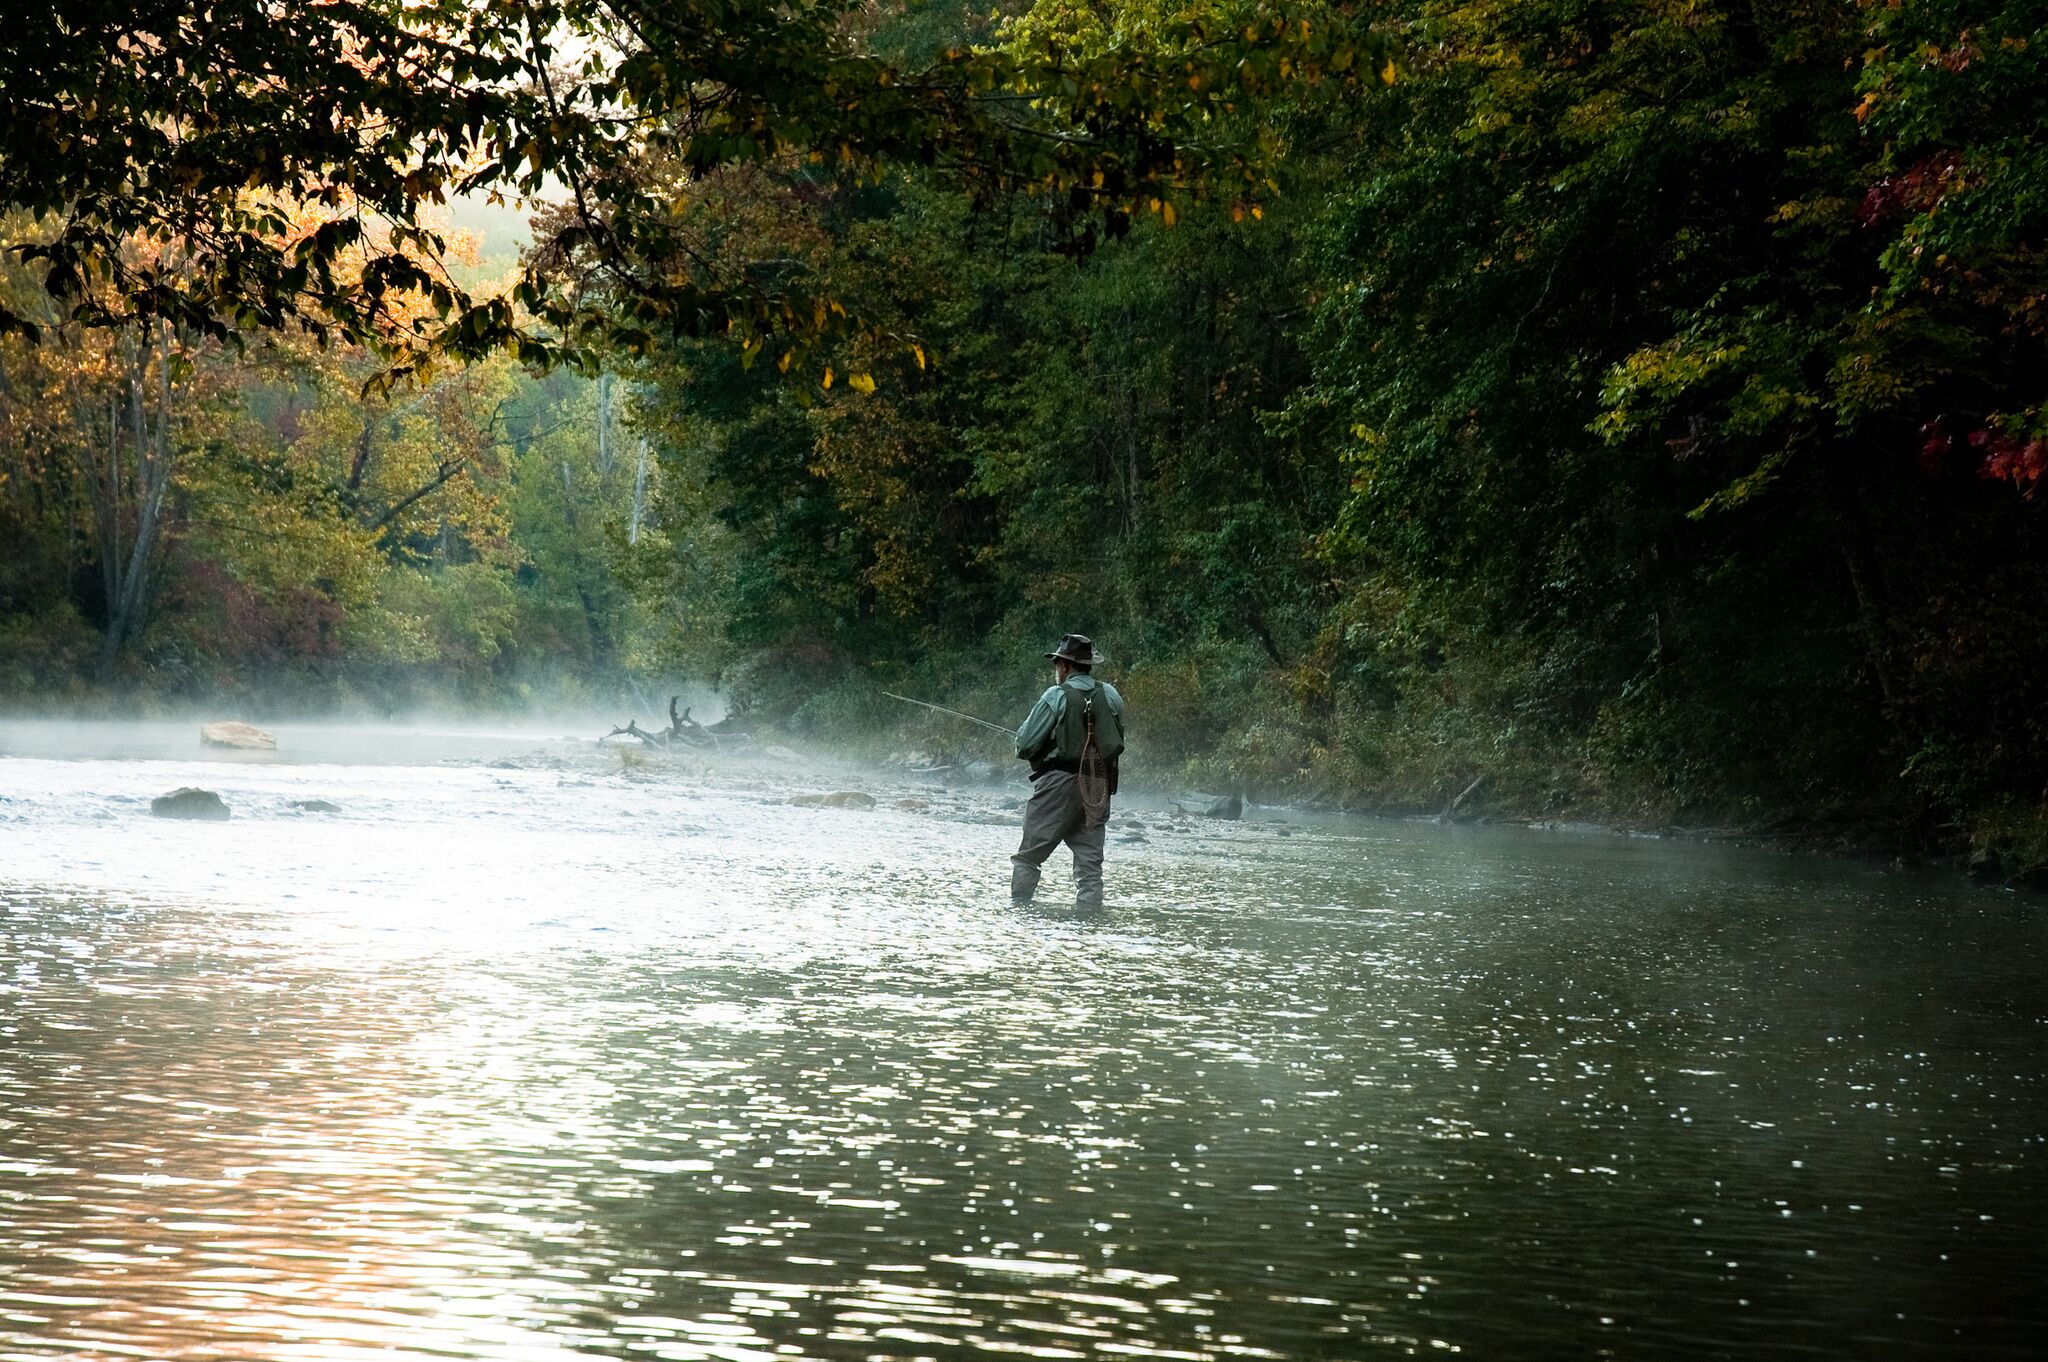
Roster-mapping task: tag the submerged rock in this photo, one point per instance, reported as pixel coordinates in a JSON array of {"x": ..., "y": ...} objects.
[
  {"x": 913, "y": 805},
  {"x": 190, "y": 802},
  {"x": 780, "y": 753},
  {"x": 230, "y": 734},
  {"x": 840, "y": 799},
  {"x": 315, "y": 806}
]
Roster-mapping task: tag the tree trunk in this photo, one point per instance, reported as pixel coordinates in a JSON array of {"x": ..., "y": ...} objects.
[
  {"x": 1855, "y": 539},
  {"x": 639, "y": 496},
  {"x": 604, "y": 429},
  {"x": 106, "y": 509},
  {"x": 128, "y": 577}
]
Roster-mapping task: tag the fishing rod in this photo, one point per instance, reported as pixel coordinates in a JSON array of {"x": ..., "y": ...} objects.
[{"x": 943, "y": 710}]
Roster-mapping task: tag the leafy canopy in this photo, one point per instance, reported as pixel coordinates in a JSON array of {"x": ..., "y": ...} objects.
[{"x": 215, "y": 126}]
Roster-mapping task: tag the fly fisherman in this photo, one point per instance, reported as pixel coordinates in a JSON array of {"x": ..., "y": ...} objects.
[{"x": 1072, "y": 738}]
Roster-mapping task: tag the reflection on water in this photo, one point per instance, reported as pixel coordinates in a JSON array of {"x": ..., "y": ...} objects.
[{"x": 568, "y": 1060}]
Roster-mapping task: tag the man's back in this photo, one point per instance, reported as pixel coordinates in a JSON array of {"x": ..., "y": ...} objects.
[{"x": 1055, "y": 731}]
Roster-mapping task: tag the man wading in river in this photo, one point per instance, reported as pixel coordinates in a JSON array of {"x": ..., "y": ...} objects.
[{"x": 1072, "y": 738}]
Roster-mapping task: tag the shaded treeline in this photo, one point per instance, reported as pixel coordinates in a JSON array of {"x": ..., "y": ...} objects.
[{"x": 1634, "y": 405}]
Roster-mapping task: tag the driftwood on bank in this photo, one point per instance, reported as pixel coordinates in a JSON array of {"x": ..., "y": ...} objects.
[
  {"x": 682, "y": 732},
  {"x": 1450, "y": 812}
]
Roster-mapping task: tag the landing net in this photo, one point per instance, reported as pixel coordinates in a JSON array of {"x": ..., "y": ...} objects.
[{"x": 1093, "y": 776}]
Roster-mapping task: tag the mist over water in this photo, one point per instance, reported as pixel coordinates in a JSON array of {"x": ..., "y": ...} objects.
[{"x": 533, "y": 1050}]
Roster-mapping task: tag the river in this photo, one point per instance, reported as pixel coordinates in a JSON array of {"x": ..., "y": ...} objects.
[{"x": 525, "y": 1052}]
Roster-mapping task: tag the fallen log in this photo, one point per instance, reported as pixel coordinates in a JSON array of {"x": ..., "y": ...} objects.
[
  {"x": 682, "y": 729},
  {"x": 633, "y": 730},
  {"x": 1450, "y": 812}
]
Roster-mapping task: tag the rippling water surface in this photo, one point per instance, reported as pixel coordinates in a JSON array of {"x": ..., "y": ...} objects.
[{"x": 556, "y": 1058}]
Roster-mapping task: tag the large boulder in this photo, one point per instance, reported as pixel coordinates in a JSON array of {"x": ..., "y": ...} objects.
[
  {"x": 189, "y": 802},
  {"x": 230, "y": 734},
  {"x": 1230, "y": 806}
]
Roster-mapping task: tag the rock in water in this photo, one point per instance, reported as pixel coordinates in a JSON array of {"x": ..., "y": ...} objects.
[
  {"x": 1229, "y": 806},
  {"x": 842, "y": 799},
  {"x": 315, "y": 806},
  {"x": 229, "y": 734},
  {"x": 189, "y": 802}
]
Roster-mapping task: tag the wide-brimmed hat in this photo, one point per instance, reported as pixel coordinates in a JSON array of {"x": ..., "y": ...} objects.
[{"x": 1077, "y": 649}]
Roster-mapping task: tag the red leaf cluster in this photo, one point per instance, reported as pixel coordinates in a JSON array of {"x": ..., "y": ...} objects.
[
  {"x": 1913, "y": 190},
  {"x": 2006, "y": 458},
  {"x": 1999, "y": 456}
]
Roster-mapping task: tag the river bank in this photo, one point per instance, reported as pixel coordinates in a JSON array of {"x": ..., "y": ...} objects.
[
  {"x": 1532, "y": 786},
  {"x": 2003, "y": 846}
]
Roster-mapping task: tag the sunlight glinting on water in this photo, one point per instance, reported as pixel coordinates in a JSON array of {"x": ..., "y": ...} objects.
[{"x": 555, "y": 1058}]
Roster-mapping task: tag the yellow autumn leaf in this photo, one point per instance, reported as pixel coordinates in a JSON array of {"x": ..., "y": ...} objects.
[
  {"x": 918, "y": 350},
  {"x": 1166, "y": 212},
  {"x": 828, "y": 376},
  {"x": 860, "y": 382},
  {"x": 1387, "y": 72}
]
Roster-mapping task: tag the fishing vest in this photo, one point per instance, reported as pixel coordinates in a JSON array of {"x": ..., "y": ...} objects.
[{"x": 1071, "y": 730}]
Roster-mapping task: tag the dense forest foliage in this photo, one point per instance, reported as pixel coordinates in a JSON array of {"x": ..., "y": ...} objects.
[{"x": 1634, "y": 406}]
